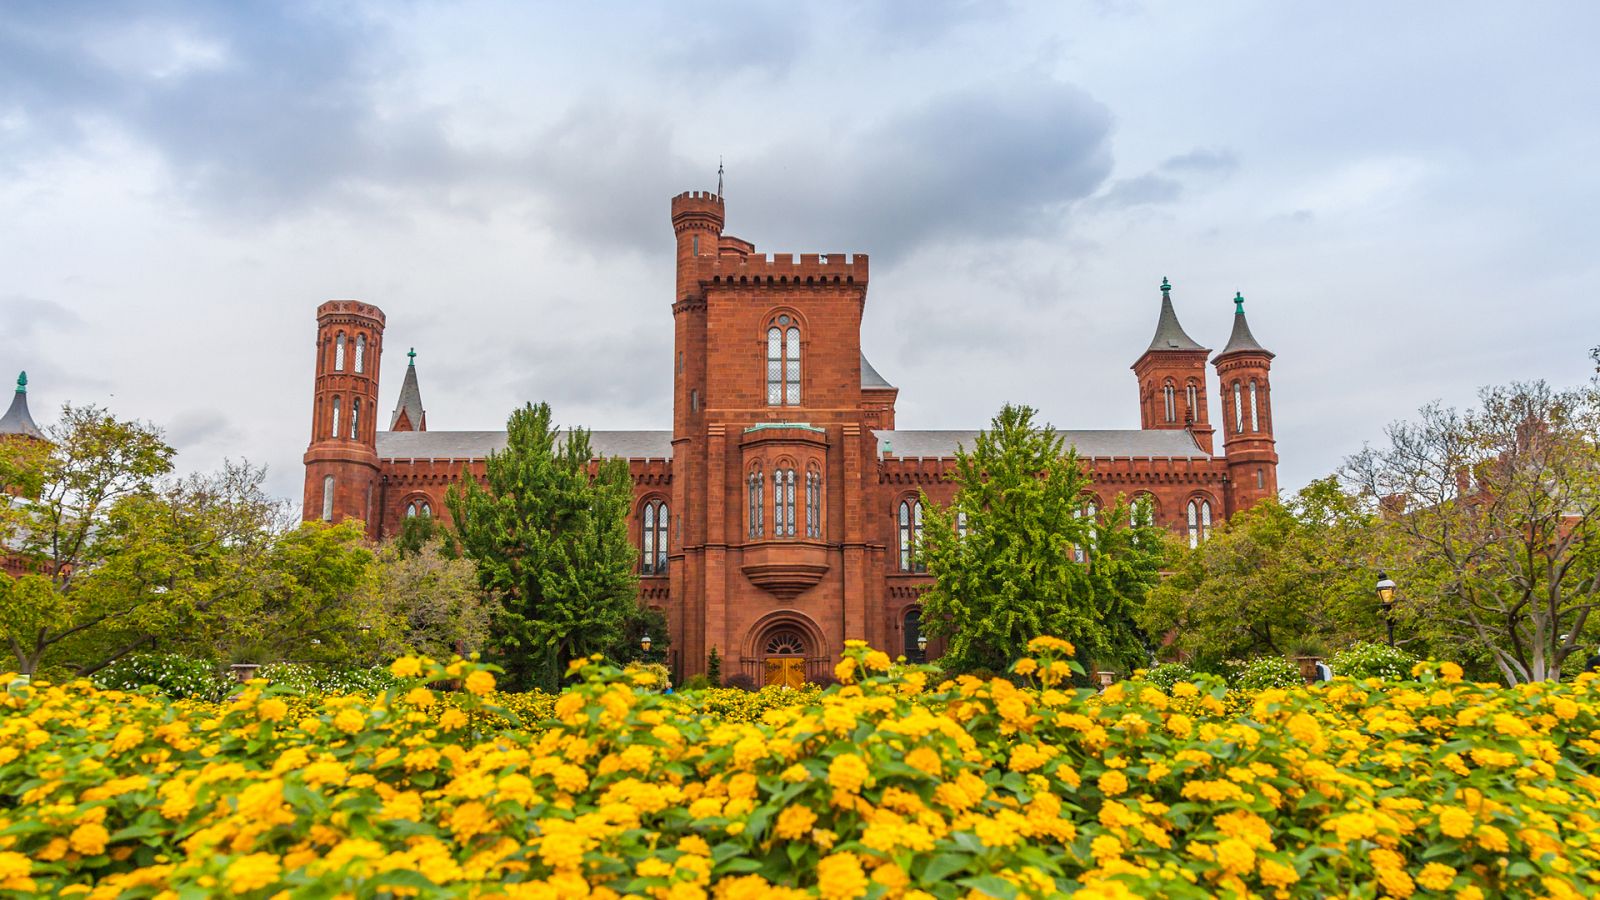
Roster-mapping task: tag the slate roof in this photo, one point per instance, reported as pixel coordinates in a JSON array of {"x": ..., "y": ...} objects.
[
  {"x": 1169, "y": 334},
  {"x": 1241, "y": 340},
  {"x": 477, "y": 444},
  {"x": 1121, "y": 443},
  {"x": 870, "y": 377},
  {"x": 410, "y": 401},
  {"x": 17, "y": 419}
]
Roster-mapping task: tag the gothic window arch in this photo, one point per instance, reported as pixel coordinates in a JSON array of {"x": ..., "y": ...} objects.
[
  {"x": 785, "y": 642},
  {"x": 338, "y": 353},
  {"x": 755, "y": 490},
  {"x": 334, "y": 431},
  {"x": 327, "y": 498},
  {"x": 361, "y": 353},
  {"x": 653, "y": 538},
  {"x": 813, "y": 501},
  {"x": 418, "y": 507},
  {"x": 1255, "y": 409},
  {"x": 783, "y": 361},
  {"x": 911, "y": 623},
  {"x": 1238, "y": 409},
  {"x": 910, "y": 530},
  {"x": 1192, "y": 396},
  {"x": 783, "y": 500},
  {"x": 1199, "y": 513},
  {"x": 355, "y": 419},
  {"x": 1169, "y": 402}
]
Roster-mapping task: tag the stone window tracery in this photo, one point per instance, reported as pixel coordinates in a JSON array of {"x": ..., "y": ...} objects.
[
  {"x": 361, "y": 353},
  {"x": 1169, "y": 402},
  {"x": 756, "y": 512},
  {"x": 418, "y": 508},
  {"x": 786, "y": 642},
  {"x": 654, "y": 538},
  {"x": 1199, "y": 521},
  {"x": 1238, "y": 409},
  {"x": 783, "y": 362},
  {"x": 911, "y": 536},
  {"x": 813, "y": 502},
  {"x": 1193, "y": 396},
  {"x": 1255, "y": 415},
  {"x": 338, "y": 353}
]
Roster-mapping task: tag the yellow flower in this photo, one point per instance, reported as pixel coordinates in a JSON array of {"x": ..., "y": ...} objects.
[
  {"x": 845, "y": 671},
  {"x": 272, "y": 710},
  {"x": 350, "y": 720},
  {"x": 1235, "y": 856},
  {"x": 1436, "y": 876},
  {"x": 480, "y": 682},
  {"x": 420, "y": 697},
  {"x": 1455, "y": 822},
  {"x": 794, "y": 822},
  {"x": 406, "y": 667},
  {"x": 1450, "y": 671},
  {"x": 847, "y": 773},
  {"x": 252, "y": 872},
  {"x": 1276, "y": 874},
  {"x": 1113, "y": 783},
  {"x": 840, "y": 877},
  {"x": 89, "y": 838}
]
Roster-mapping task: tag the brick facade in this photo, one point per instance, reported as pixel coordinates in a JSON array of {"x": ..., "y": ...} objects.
[{"x": 771, "y": 395}]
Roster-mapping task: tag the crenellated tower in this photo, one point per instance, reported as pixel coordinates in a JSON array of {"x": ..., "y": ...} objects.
[
  {"x": 1172, "y": 378},
  {"x": 342, "y": 459},
  {"x": 1243, "y": 368}
]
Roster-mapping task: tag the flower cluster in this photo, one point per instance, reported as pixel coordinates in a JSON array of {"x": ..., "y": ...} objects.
[{"x": 889, "y": 785}]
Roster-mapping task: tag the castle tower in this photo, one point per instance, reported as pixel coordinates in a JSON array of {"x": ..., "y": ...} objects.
[
  {"x": 342, "y": 459},
  {"x": 1243, "y": 368},
  {"x": 408, "y": 412},
  {"x": 1172, "y": 378}
]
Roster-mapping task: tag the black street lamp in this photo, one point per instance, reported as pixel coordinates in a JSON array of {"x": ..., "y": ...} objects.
[
  {"x": 644, "y": 643},
  {"x": 922, "y": 646},
  {"x": 1385, "y": 589}
]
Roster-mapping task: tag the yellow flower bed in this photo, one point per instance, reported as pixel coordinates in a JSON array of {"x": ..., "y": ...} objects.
[{"x": 888, "y": 786}]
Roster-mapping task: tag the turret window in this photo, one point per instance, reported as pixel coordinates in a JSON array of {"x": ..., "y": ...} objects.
[
  {"x": 783, "y": 503},
  {"x": 1192, "y": 395},
  {"x": 1199, "y": 521},
  {"x": 338, "y": 353},
  {"x": 654, "y": 539},
  {"x": 813, "y": 502},
  {"x": 1238, "y": 409},
  {"x": 756, "y": 503},
  {"x": 911, "y": 536},
  {"x": 1169, "y": 402},
  {"x": 334, "y": 431},
  {"x": 327, "y": 498},
  {"x": 361, "y": 353},
  {"x": 783, "y": 363},
  {"x": 355, "y": 419},
  {"x": 1255, "y": 415}
]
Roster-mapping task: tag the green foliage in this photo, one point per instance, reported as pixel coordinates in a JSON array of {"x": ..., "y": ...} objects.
[
  {"x": 714, "y": 666},
  {"x": 1274, "y": 579},
  {"x": 1371, "y": 660},
  {"x": 172, "y": 674},
  {"x": 1166, "y": 675},
  {"x": 314, "y": 680},
  {"x": 435, "y": 601},
  {"x": 1265, "y": 672},
  {"x": 550, "y": 541},
  {"x": 1015, "y": 574}
]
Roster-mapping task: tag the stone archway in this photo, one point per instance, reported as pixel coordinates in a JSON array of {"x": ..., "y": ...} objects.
[{"x": 785, "y": 649}]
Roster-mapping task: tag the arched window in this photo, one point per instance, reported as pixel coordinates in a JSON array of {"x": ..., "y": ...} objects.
[
  {"x": 1199, "y": 521},
  {"x": 1255, "y": 409},
  {"x": 783, "y": 363},
  {"x": 1238, "y": 409},
  {"x": 361, "y": 353},
  {"x": 786, "y": 642},
  {"x": 327, "y": 498},
  {"x": 757, "y": 504},
  {"x": 418, "y": 508},
  {"x": 911, "y": 536},
  {"x": 1085, "y": 511},
  {"x": 355, "y": 419},
  {"x": 1170, "y": 403},
  {"x": 813, "y": 502},
  {"x": 338, "y": 353},
  {"x": 334, "y": 431},
  {"x": 1192, "y": 394},
  {"x": 913, "y": 630},
  {"x": 653, "y": 533},
  {"x": 783, "y": 503}
]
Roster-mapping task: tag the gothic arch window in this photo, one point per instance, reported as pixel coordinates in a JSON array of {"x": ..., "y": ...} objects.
[
  {"x": 1086, "y": 510},
  {"x": 785, "y": 642},
  {"x": 418, "y": 508},
  {"x": 338, "y": 353},
  {"x": 911, "y": 536},
  {"x": 327, "y": 498},
  {"x": 361, "y": 353},
  {"x": 355, "y": 419},
  {"x": 1192, "y": 395},
  {"x": 653, "y": 535},
  {"x": 813, "y": 502},
  {"x": 1199, "y": 521},
  {"x": 783, "y": 362},
  {"x": 755, "y": 490},
  {"x": 912, "y": 627},
  {"x": 1238, "y": 409},
  {"x": 783, "y": 502},
  {"x": 1169, "y": 402},
  {"x": 334, "y": 431},
  {"x": 1255, "y": 413}
]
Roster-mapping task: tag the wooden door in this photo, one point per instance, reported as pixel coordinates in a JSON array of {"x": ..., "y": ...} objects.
[{"x": 785, "y": 671}]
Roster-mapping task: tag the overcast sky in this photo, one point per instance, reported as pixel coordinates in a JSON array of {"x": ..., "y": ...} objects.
[{"x": 1406, "y": 195}]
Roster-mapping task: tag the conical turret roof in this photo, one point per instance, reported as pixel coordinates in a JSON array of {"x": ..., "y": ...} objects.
[
  {"x": 17, "y": 419},
  {"x": 870, "y": 377},
  {"x": 410, "y": 403},
  {"x": 1242, "y": 341},
  {"x": 1169, "y": 333}
]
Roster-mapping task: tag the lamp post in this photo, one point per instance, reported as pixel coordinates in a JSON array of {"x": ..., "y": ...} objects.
[
  {"x": 1385, "y": 588},
  {"x": 922, "y": 646},
  {"x": 644, "y": 644}
]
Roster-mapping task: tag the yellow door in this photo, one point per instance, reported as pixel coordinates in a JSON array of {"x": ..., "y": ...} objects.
[{"x": 785, "y": 671}]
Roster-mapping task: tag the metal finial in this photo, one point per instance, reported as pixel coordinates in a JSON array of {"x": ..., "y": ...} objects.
[
  {"x": 1238, "y": 303},
  {"x": 719, "y": 176},
  {"x": 22, "y": 382},
  {"x": 1165, "y": 287},
  {"x": 412, "y": 353}
]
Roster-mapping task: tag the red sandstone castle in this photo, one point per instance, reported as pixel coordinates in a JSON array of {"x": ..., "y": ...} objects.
[{"x": 776, "y": 518}]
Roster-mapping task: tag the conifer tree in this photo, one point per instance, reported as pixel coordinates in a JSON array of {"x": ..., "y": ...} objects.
[
  {"x": 1015, "y": 556},
  {"x": 550, "y": 540}
]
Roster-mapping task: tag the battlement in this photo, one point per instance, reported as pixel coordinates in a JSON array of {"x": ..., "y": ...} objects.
[
  {"x": 783, "y": 268},
  {"x": 703, "y": 208},
  {"x": 350, "y": 308}
]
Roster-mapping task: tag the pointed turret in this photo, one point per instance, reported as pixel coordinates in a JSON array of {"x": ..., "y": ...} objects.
[
  {"x": 1172, "y": 378},
  {"x": 1244, "y": 368},
  {"x": 408, "y": 412},
  {"x": 17, "y": 420},
  {"x": 1169, "y": 332},
  {"x": 1241, "y": 340}
]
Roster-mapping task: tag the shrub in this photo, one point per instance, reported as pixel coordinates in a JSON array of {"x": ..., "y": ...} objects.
[
  {"x": 695, "y": 683},
  {"x": 1369, "y": 660},
  {"x": 303, "y": 678},
  {"x": 172, "y": 674},
  {"x": 1166, "y": 675},
  {"x": 714, "y": 668},
  {"x": 1266, "y": 672},
  {"x": 741, "y": 681}
]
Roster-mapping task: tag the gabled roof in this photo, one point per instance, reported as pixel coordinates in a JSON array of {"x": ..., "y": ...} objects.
[
  {"x": 1122, "y": 443},
  {"x": 870, "y": 377},
  {"x": 1169, "y": 334},
  {"x": 18, "y": 420},
  {"x": 1241, "y": 340},
  {"x": 410, "y": 401}
]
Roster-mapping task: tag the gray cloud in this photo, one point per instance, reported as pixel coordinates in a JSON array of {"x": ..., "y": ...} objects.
[
  {"x": 1203, "y": 161},
  {"x": 1143, "y": 190}
]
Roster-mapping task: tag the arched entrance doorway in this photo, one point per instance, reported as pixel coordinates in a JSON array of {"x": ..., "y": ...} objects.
[{"x": 783, "y": 658}]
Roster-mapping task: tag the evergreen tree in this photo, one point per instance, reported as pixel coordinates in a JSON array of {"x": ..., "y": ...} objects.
[
  {"x": 1030, "y": 562},
  {"x": 550, "y": 540}
]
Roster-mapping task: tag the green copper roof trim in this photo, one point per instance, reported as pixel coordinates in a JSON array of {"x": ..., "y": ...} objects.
[
  {"x": 1166, "y": 288},
  {"x": 1238, "y": 303},
  {"x": 412, "y": 353},
  {"x": 22, "y": 382},
  {"x": 766, "y": 426}
]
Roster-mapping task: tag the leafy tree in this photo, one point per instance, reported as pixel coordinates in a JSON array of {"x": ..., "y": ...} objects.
[
  {"x": 1498, "y": 510},
  {"x": 550, "y": 540},
  {"x": 435, "y": 597},
  {"x": 1015, "y": 574},
  {"x": 1273, "y": 580}
]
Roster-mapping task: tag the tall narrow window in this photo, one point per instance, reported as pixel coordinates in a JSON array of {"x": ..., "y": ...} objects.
[
  {"x": 905, "y": 537},
  {"x": 913, "y": 630},
  {"x": 791, "y": 372},
  {"x": 1199, "y": 521},
  {"x": 327, "y": 498},
  {"x": 813, "y": 502},
  {"x": 334, "y": 431},
  {"x": 361, "y": 353},
  {"x": 1086, "y": 511},
  {"x": 1255, "y": 409},
  {"x": 774, "y": 366},
  {"x": 1169, "y": 402},
  {"x": 338, "y": 353},
  {"x": 653, "y": 537},
  {"x": 961, "y": 524},
  {"x": 783, "y": 363},
  {"x": 1194, "y": 525},
  {"x": 757, "y": 504},
  {"x": 1238, "y": 409},
  {"x": 911, "y": 536},
  {"x": 355, "y": 419},
  {"x": 783, "y": 503},
  {"x": 1205, "y": 520},
  {"x": 1193, "y": 396}
]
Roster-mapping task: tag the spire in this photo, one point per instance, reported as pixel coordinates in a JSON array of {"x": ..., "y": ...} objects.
[
  {"x": 1169, "y": 334},
  {"x": 1241, "y": 341},
  {"x": 719, "y": 176},
  {"x": 408, "y": 412},
  {"x": 17, "y": 420}
]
